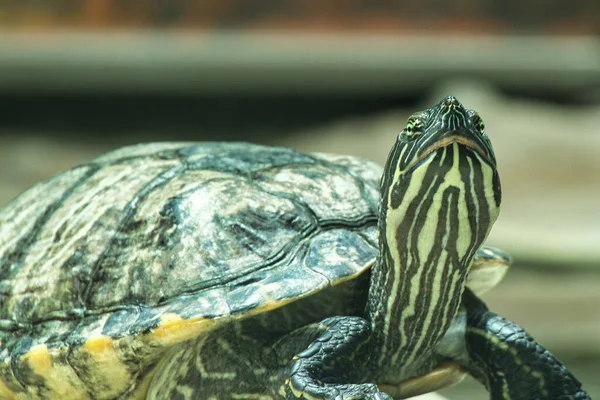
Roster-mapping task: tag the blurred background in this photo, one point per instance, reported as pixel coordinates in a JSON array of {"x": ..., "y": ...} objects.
[{"x": 81, "y": 77}]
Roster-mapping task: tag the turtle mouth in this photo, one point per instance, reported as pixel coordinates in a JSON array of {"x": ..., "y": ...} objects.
[{"x": 448, "y": 141}]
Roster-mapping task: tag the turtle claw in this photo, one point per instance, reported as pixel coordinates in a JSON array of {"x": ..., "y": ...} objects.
[
  {"x": 361, "y": 392},
  {"x": 380, "y": 396},
  {"x": 340, "y": 392},
  {"x": 376, "y": 396}
]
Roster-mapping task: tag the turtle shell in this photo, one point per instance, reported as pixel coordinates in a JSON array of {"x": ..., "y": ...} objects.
[{"x": 151, "y": 245}]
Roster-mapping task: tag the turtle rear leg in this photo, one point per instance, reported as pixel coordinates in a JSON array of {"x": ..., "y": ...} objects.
[{"x": 509, "y": 362}]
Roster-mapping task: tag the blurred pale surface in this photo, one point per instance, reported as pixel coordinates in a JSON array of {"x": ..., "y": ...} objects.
[
  {"x": 430, "y": 396},
  {"x": 293, "y": 63},
  {"x": 550, "y": 169}
]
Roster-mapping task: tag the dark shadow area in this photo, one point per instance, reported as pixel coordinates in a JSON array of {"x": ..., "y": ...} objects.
[{"x": 100, "y": 117}]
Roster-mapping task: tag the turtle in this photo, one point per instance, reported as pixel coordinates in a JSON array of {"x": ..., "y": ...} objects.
[{"x": 242, "y": 271}]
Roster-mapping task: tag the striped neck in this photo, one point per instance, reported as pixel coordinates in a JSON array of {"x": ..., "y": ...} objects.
[{"x": 434, "y": 217}]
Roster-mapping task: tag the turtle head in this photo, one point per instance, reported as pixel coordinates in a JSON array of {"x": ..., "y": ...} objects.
[
  {"x": 442, "y": 161},
  {"x": 433, "y": 131},
  {"x": 440, "y": 196}
]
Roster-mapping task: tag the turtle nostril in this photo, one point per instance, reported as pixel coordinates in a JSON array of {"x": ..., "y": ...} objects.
[{"x": 451, "y": 102}]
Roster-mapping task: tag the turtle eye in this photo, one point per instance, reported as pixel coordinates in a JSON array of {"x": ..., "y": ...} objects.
[
  {"x": 478, "y": 122},
  {"x": 414, "y": 127}
]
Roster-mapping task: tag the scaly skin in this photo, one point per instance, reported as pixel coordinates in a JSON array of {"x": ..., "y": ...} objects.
[{"x": 510, "y": 363}]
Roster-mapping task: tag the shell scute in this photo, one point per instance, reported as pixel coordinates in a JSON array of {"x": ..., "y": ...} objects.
[
  {"x": 238, "y": 158},
  {"x": 340, "y": 252}
]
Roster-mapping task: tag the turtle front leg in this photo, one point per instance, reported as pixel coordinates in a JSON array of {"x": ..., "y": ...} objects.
[
  {"x": 331, "y": 366},
  {"x": 509, "y": 362}
]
